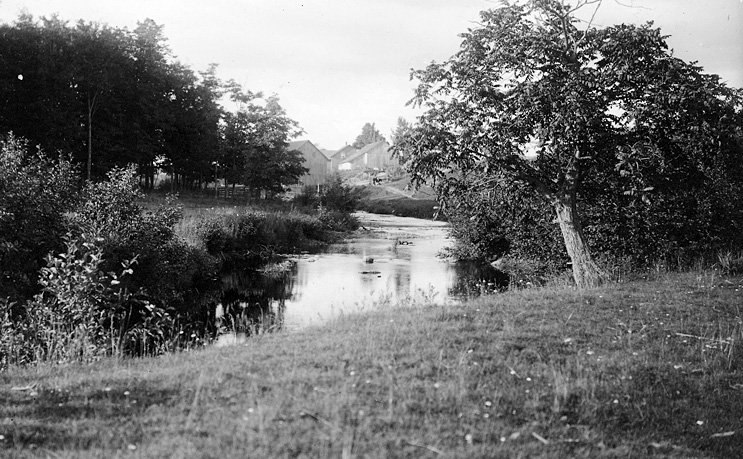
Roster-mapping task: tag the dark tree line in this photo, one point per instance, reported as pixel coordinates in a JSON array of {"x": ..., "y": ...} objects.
[{"x": 110, "y": 97}]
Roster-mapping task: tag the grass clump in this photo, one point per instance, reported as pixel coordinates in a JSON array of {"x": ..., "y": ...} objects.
[{"x": 640, "y": 369}]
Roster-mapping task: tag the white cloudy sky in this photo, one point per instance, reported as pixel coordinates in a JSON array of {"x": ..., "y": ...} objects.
[{"x": 337, "y": 64}]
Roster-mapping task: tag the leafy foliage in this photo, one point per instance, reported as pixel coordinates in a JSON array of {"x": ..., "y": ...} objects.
[
  {"x": 107, "y": 96},
  {"x": 604, "y": 125},
  {"x": 369, "y": 134},
  {"x": 337, "y": 196},
  {"x": 169, "y": 271},
  {"x": 35, "y": 193},
  {"x": 254, "y": 149}
]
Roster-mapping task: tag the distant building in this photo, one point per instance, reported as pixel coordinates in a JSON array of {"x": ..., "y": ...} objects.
[
  {"x": 314, "y": 159},
  {"x": 377, "y": 155},
  {"x": 341, "y": 155}
]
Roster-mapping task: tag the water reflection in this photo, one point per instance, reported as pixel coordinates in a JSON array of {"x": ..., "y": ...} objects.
[
  {"x": 253, "y": 302},
  {"x": 394, "y": 260}
]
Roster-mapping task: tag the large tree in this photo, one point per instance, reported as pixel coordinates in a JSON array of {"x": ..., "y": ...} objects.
[
  {"x": 255, "y": 143},
  {"x": 369, "y": 134},
  {"x": 108, "y": 96},
  {"x": 532, "y": 98}
]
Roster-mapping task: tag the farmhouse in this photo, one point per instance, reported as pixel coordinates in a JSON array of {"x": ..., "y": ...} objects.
[
  {"x": 377, "y": 155},
  {"x": 337, "y": 157},
  {"x": 317, "y": 163}
]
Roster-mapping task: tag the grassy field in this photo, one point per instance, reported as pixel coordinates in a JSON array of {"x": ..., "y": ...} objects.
[{"x": 649, "y": 368}]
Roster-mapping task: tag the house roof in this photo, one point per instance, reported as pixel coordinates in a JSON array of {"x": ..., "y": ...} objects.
[
  {"x": 297, "y": 144},
  {"x": 364, "y": 150}
]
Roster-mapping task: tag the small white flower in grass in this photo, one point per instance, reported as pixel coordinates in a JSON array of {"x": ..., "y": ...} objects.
[
  {"x": 616, "y": 401},
  {"x": 107, "y": 389},
  {"x": 700, "y": 423},
  {"x": 115, "y": 282},
  {"x": 436, "y": 385},
  {"x": 528, "y": 379},
  {"x": 469, "y": 351},
  {"x": 513, "y": 372},
  {"x": 488, "y": 403},
  {"x": 131, "y": 447},
  {"x": 250, "y": 410},
  {"x": 468, "y": 438},
  {"x": 589, "y": 352},
  {"x": 126, "y": 393},
  {"x": 352, "y": 373},
  {"x": 502, "y": 439},
  {"x": 486, "y": 415}
]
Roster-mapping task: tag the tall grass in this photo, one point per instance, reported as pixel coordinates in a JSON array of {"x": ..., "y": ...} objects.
[{"x": 648, "y": 368}]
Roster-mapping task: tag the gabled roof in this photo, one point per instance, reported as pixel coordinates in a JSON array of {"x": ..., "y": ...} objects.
[
  {"x": 364, "y": 150},
  {"x": 348, "y": 149},
  {"x": 297, "y": 144}
]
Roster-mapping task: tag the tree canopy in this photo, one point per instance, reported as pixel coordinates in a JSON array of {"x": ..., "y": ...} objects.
[
  {"x": 111, "y": 97},
  {"x": 255, "y": 143},
  {"x": 606, "y": 126},
  {"x": 369, "y": 134}
]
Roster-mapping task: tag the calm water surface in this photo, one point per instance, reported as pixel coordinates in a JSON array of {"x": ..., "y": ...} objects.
[{"x": 389, "y": 260}]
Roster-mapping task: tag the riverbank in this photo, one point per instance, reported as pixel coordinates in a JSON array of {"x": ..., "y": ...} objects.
[{"x": 651, "y": 368}]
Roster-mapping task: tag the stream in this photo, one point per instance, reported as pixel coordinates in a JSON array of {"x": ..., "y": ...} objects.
[{"x": 390, "y": 260}]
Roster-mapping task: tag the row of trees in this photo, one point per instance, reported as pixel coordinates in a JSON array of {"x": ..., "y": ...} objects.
[
  {"x": 541, "y": 127},
  {"x": 111, "y": 96}
]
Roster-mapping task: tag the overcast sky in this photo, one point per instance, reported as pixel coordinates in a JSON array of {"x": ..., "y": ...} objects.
[{"x": 337, "y": 64}]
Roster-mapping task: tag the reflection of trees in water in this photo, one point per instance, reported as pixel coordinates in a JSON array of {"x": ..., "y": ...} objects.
[
  {"x": 253, "y": 302},
  {"x": 475, "y": 279},
  {"x": 401, "y": 279}
]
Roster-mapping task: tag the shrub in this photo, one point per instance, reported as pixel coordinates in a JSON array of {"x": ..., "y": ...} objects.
[
  {"x": 307, "y": 197},
  {"x": 170, "y": 273},
  {"x": 35, "y": 193},
  {"x": 82, "y": 312},
  {"x": 337, "y": 220},
  {"x": 336, "y": 196},
  {"x": 256, "y": 235}
]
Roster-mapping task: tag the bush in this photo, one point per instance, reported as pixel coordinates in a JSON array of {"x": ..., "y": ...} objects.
[
  {"x": 35, "y": 193},
  {"x": 170, "y": 273},
  {"x": 307, "y": 197},
  {"x": 336, "y": 196},
  {"x": 82, "y": 313},
  {"x": 256, "y": 236},
  {"x": 338, "y": 220}
]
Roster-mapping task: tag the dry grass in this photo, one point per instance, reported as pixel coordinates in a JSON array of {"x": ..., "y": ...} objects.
[{"x": 643, "y": 369}]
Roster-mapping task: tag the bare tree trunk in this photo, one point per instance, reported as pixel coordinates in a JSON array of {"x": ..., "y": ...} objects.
[
  {"x": 586, "y": 272},
  {"x": 91, "y": 109}
]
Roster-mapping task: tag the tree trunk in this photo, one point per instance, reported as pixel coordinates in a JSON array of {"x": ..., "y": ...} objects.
[
  {"x": 91, "y": 107},
  {"x": 586, "y": 272}
]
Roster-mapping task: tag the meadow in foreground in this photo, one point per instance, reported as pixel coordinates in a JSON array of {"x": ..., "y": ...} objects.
[{"x": 649, "y": 368}]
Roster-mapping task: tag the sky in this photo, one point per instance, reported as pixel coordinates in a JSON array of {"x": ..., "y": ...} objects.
[{"x": 338, "y": 64}]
